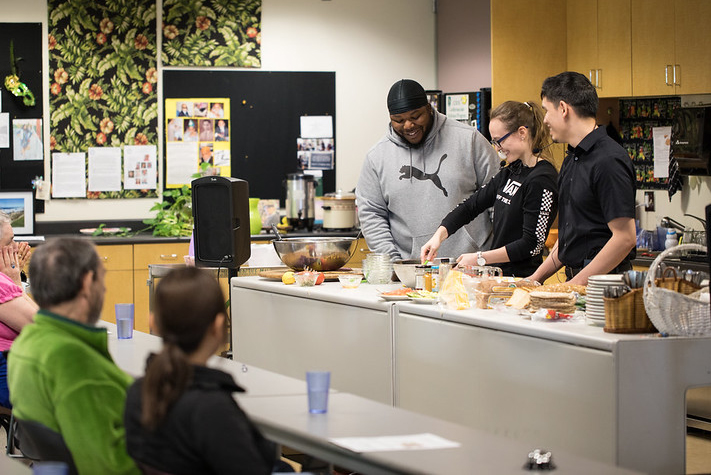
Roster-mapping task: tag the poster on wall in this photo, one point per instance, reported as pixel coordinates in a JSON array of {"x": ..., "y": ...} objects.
[
  {"x": 139, "y": 167},
  {"x": 457, "y": 106},
  {"x": 197, "y": 133},
  {"x": 102, "y": 81},
  {"x": 26, "y": 139}
]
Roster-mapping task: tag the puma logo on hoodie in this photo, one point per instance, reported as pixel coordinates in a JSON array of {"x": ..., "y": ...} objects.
[{"x": 408, "y": 171}]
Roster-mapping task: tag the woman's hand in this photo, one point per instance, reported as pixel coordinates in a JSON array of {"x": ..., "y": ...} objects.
[
  {"x": 468, "y": 259},
  {"x": 10, "y": 264},
  {"x": 429, "y": 251}
]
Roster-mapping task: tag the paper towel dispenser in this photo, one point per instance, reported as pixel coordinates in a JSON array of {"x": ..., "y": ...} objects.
[{"x": 691, "y": 140}]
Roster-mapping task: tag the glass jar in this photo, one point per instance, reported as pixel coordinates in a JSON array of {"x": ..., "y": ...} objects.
[
  {"x": 377, "y": 268},
  {"x": 444, "y": 267},
  {"x": 423, "y": 277}
]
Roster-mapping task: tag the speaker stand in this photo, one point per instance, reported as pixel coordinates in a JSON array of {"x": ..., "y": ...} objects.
[{"x": 230, "y": 273}]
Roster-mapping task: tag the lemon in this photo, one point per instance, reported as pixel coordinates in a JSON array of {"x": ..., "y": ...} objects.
[{"x": 288, "y": 278}]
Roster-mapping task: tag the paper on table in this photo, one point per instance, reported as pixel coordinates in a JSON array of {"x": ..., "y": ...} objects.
[
  {"x": 662, "y": 138},
  {"x": 393, "y": 443}
]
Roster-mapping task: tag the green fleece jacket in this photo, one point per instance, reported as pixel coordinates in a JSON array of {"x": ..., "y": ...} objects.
[{"x": 61, "y": 374}]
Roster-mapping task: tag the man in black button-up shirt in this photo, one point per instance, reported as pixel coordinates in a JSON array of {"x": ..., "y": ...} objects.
[{"x": 596, "y": 230}]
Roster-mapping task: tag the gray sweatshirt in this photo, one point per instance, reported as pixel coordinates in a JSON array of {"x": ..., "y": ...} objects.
[{"x": 404, "y": 192}]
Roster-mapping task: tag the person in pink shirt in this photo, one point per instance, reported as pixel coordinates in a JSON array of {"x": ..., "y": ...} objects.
[{"x": 16, "y": 307}]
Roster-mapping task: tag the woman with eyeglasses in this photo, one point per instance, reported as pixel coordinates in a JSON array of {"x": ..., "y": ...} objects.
[{"x": 524, "y": 195}]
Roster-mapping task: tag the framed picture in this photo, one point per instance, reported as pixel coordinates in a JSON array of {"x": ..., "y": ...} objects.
[{"x": 19, "y": 205}]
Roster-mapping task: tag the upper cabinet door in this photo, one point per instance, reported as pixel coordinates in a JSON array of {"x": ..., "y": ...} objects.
[
  {"x": 582, "y": 37},
  {"x": 652, "y": 47},
  {"x": 693, "y": 46},
  {"x": 614, "y": 48}
]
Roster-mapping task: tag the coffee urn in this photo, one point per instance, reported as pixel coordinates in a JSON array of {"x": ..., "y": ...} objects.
[{"x": 300, "y": 194}]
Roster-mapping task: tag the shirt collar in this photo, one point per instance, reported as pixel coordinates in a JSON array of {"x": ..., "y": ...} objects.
[
  {"x": 587, "y": 143},
  {"x": 92, "y": 335}
]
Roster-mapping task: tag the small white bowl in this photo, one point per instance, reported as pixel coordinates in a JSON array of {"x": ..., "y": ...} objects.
[{"x": 350, "y": 281}]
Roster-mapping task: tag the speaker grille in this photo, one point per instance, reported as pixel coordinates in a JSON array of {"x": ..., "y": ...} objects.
[{"x": 220, "y": 207}]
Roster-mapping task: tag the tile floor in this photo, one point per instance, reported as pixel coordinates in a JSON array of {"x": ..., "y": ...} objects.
[{"x": 698, "y": 453}]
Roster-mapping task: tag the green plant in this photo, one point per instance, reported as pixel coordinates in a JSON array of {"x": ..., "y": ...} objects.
[
  {"x": 175, "y": 215},
  {"x": 175, "y": 212}
]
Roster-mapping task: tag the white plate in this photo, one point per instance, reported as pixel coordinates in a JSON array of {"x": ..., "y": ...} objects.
[
  {"x": 392, "y": 298},
  {"x": 103, "y": 230},
  {"x": 423, "y": 301},
  {"x": 605, "y": 278},
  {"x": 595, "y": 323}
]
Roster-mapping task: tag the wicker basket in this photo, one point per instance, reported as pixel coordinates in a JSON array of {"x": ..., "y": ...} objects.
[
  {"x": 626, "y": 314},
  {"x": 672, "y": 312}
]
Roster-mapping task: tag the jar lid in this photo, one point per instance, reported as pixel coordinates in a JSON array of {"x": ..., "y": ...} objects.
[{"x": 340, "y": 195}]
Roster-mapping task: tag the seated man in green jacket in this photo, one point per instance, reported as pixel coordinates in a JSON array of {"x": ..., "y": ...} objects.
[{"x": 60, "y": 372}]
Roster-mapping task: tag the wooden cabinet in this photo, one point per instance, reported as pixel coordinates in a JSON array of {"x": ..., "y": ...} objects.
[
  {"x": 599, "y": 44},
  {"x": 671, "y": 47},
  {"x": 528, "y": 44},
  {"x": 118, "y": 261},
  {"x": 143, "y": 255}
]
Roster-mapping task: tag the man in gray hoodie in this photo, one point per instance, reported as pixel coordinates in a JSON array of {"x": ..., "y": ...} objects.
[{"x": 424, "y": 166}]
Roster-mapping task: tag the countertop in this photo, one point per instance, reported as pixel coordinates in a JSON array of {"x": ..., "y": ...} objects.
[
  {"x": 366, "y": 295},
  {"x": 71, "y": 228}
]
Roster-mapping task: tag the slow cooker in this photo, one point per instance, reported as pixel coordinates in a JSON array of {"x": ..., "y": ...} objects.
[{"x": 339, "y": 210}]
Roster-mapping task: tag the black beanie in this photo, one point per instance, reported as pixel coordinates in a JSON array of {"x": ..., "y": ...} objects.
[{"x": 406, "y": 95}]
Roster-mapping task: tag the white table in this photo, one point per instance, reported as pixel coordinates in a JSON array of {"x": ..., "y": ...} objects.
[
  {"x": 571, "y": 386},
  {"x": 279, "y": 406},
  {"x": 286, "y": 419},
  {"x": 130, "y": 355}
]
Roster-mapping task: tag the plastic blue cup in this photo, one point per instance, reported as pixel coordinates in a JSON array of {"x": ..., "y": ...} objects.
[
  {"x": 124, "y": 320},
  {"x": 317, "y": 384},
  {"x": 50, "y": 468}
]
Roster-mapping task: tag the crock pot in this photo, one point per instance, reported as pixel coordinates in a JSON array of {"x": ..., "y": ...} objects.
[{"x": 339, "y": 210}]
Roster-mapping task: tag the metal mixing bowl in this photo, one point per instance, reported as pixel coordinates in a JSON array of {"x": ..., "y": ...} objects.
[{"x": 321, "y": 253}]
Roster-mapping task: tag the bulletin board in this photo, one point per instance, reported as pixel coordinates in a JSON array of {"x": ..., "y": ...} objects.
[
  {"x": 265, "y": 112},
  {"x": 27, "y": 41}
]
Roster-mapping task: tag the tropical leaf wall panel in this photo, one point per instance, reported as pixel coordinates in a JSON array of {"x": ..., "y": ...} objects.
[
  {"x": 212, "y": 33},
  {"x": 102, "y": 64}
]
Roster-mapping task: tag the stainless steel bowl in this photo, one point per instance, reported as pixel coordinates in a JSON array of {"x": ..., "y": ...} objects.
[{"x": 321, "y": 253}]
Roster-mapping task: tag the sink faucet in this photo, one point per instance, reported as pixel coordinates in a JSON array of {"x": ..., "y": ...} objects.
[{"x": 703, "y": 221}]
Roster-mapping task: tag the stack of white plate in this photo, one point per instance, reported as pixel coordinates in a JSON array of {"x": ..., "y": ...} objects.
[{"x": 594, "y": 303}]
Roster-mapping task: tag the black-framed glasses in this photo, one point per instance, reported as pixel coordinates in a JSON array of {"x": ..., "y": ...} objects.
[{"x": 497, "y": 143}]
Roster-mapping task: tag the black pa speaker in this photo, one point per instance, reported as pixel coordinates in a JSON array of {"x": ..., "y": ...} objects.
[{"x": 221, "y": 217}]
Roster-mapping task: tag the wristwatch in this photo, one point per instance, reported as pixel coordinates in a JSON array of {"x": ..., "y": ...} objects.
[{"x": 480, "y": 259}]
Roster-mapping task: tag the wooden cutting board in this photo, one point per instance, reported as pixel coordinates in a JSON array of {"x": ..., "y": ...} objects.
[{"x": 331, "y": 275}]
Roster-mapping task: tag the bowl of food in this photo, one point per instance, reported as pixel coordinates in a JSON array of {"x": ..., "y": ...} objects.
[
  {"x": 320, "y": 253},
  {"x": 350, "y": 281},
  {"x": 306, "y": 279}
]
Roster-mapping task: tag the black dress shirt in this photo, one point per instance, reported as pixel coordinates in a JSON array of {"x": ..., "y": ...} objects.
[{"x": 596, "y": 185}]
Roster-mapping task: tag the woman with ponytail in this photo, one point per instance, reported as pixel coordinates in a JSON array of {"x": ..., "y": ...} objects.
[
  {"x": 181, "y": 417},
  {"x": 524, "y": 194}
]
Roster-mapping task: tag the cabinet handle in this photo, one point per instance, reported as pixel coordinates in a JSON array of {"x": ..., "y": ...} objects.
[
  {"x": 598, "y": 75},
  {"x": 590, "y": 73},
  {"x": 105, "y": 258},
  {"x": 675, "y": 81},
  {"x": 666, "y": 75},
  {"x": 168, "y": 256}
]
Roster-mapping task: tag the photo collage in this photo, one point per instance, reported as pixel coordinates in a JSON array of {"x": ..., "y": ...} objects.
[{"x": 202, "y": 126}]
